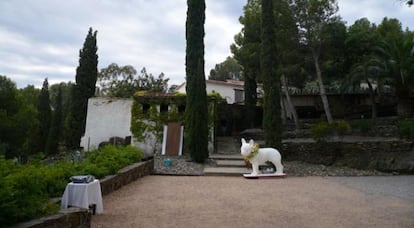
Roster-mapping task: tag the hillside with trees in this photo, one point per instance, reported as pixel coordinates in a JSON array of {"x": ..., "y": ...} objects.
[{"x": 317, "y": 52}]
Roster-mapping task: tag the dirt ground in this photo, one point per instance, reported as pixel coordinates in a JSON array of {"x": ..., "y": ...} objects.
[{"x": 183, "y": 201}]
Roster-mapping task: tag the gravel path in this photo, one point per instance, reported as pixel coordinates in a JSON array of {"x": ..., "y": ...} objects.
[
  {"x": 391, "y": 186},
  {"x": 197, "y": 201},
  {"x": 181, "y": 166}
]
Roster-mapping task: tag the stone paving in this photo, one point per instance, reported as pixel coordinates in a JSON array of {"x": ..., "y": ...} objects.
[
  {"x": 200, "y": 201},
  {"x": 228, "y": 162},
  {"x": 316, "y": 197}
]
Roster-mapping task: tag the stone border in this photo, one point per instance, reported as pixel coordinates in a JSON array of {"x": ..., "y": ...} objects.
[
  {"x": 126, "y": 176},
  {"x": 80, "y": 217},
  {"x": 70, "y": 217},
  {"x": 180, "y": 166},
  {"x": 392, "y": 155}
]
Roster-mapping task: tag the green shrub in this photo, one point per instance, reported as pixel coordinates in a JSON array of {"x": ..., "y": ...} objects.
[
  {"x": 363, "y": 125},
  {"x": 25, "y": 190},
  {"x": 324, "y": 131},
  {"x": 341, "y": 127},
  {"x": 108, "y": 160},
  {"x": 23, "y": 195},
  {"x": 406, "y": 129},
  {"x": 56, "y": 177},
  {"x": 6, "y": 166},
  {"x": 321, "y": 131},
  {"x": 89, "y": 168}
]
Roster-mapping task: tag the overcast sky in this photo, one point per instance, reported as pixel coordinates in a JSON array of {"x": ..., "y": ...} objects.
[{"x": 42, "y": 38}]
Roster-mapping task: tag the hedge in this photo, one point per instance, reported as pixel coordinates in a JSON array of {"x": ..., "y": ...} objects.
[{"x": 26, "y": 190}]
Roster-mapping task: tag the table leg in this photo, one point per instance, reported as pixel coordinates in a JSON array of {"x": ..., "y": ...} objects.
[{"x": 93, "y": 208}]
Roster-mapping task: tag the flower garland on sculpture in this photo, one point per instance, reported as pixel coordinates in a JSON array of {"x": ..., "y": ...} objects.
[{"x": 254, "y": 152}]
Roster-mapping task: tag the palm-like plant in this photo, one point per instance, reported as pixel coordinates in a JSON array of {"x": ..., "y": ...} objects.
[
  {"x": 370, "y": 71},
  {"x": 399, "y": 56}
]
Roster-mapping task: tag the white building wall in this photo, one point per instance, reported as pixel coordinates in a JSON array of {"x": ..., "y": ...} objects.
[
  {"x": 110, "y": 117},
  {"x": 226, "y": 91},
  {"x": 106, "y": 117},
  {"x": 181, "y": 89}
]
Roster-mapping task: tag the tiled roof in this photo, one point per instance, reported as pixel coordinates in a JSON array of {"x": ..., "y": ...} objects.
[
  {"x": 233, "y": 83},
  {"x": 227, "y": 82}
]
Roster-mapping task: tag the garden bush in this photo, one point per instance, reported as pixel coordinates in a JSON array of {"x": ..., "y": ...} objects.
[
  {"x": 108, "y": 160},
  {"x": 324, "y": 131},
  {"x": 321, "y": 131},
  {"x": 364, "y": 126},
  {"x": 23, "y": 194},
  {"x": 25, "y": 190},
  {"x": 406, "y": 129}
]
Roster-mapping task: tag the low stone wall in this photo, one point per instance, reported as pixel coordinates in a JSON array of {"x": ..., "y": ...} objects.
[
  {"x": 374, "y": 131},
  {"x": 80, "y": 217},
  {"x": 126, "y": 176},
  {"x": 71, "y": 217},
  {"x": 388, "y": 156}
]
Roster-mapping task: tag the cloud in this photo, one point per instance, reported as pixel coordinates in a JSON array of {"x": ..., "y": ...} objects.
[
  {"x": 375, "y": 11},
  {"x": 221, "y": 27},
  {"x": 154, "y": 39},
  {"x": 42, "y": 38}
]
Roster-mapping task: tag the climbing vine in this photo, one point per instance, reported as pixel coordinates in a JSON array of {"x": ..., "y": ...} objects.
[{"x": 151, "y": 111}]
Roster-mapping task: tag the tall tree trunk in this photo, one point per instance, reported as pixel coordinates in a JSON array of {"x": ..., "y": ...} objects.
[
  {"x": 321, "y": 87},
  {"x": 272, "y": 122},
  {"x": 250, "y": 97},
  {"x": 196, "y": 112},
  {"x": 405, "y": 107},
  {"x": 284, "y": 110},
  {"x": 373, "y": 103},
  {"x": 289, "y": 101}
]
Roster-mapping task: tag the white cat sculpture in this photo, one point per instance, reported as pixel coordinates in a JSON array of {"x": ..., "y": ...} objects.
[{"x": 258, "y": 156}]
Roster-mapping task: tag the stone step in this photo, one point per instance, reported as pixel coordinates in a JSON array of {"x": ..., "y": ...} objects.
[
  {"x": 230, "y": 163},
  {"x": 226, "y": 157},
  {"x": 227, "y": 145},
  {"x": 225, "y": 171}
]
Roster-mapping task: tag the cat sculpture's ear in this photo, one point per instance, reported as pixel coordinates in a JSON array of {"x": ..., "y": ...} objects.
[
  {"x": 251, "y": 142},
  {"x": 243, "y": 141}
]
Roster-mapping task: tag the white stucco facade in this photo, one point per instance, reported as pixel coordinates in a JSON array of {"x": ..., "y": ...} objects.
[
  {"x": 106, "y": 117},
  {"x": 111, "y": 117},
  {"x": 230, "y": 90}
]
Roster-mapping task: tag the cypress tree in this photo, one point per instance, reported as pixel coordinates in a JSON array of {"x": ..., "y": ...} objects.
[
  {"x": 44, "y": 116},
  {"x": 247, "y": 51},
  {"x": 55, "y": 129},
  {"x": 86, "y": 76},
  {"x": 250, "y": 98},
  {"x": 251, "y": 46},
  {"x": 272, "y": 122},
  {"x": 196, "y": 114}
]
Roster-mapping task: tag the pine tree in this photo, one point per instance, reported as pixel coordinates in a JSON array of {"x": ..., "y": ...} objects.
[
  {"x": 196, "y": 114},
  {"x": 272, "y": 123},
  {"x": 86, "y": 76},
  {"x": 52, "y": 144},
  {"x": 44, "y": 117},
  {"x": 247, "y": 51}
]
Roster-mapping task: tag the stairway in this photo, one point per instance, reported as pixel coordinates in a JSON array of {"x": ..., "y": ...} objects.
[
  {"x": 228, "y": 160},
  {"x": 227, "y": 165}
]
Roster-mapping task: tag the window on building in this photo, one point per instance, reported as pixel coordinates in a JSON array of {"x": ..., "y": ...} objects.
[
  {"x": 145, "y": 108},
  {"x": 181, "y": 108},
  {"x": 163, "y": 108},
  {"x": 238, "y": 96}
]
